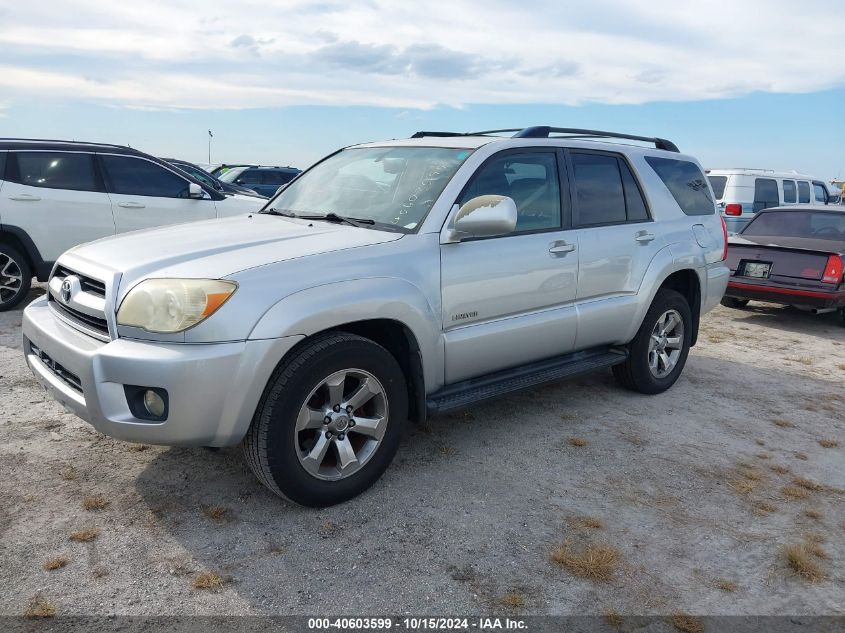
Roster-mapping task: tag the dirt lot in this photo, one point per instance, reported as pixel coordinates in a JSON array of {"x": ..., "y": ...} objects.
[{"x": 691, "y": 497}]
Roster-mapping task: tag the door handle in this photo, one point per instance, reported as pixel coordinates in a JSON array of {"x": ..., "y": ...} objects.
[
  {"x": 560, "y": 248},
  {"x": 644, "y": 238},
  {"x": 130, "y": 205},
  {"x": 25, "y": 197}
]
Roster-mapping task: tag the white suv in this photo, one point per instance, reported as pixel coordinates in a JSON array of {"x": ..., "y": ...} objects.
[{"x": 55, "y": 195}]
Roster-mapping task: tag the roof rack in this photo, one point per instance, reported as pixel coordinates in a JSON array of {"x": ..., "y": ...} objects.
[{"x": 544, "y": 131}]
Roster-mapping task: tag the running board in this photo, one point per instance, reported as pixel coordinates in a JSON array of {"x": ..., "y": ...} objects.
[{"x": 508, "y": 381}]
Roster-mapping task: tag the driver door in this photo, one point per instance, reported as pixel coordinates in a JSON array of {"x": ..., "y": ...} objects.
[{"x": 509, "y": 300}]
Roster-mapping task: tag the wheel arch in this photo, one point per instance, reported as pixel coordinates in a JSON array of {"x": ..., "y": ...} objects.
[
  {"x": 687, "y": 283},
  {"x": 19, "y": 239}
]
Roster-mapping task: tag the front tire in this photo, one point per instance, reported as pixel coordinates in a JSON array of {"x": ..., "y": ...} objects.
[
  {"x": 329, "y": 422},
  {"x": 15, "y": 277},
  {"x": 733, "y": 302},
  {"x": 659, "y": 351}
]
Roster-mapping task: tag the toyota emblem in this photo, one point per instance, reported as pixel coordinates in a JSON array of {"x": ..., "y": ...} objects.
[{"x": 66, "y": 290}]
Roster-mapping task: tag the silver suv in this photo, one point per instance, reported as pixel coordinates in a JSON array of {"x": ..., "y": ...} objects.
[{"x": 390, "y": 281}]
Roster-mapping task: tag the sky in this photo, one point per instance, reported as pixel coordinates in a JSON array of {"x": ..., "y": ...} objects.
[{"x": 751, "y": 83}]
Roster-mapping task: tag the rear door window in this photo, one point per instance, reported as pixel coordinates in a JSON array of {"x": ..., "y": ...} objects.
[
  {"x": 718, "y": 183},
  {"x": 137, "y": 177},
  {"x": 249, "y": 177},
  {"x": 599, "y": 191},
  {"x": 790, "y": 194},
  {"x": 686, "y": 183},
  {"x": 803, "y": 192},
  {"x": 277, "y": 177},
  {"x": 3, "y": 165},
  {"x": 57, "y": 170},
  {"x": 765, "y": 194}
]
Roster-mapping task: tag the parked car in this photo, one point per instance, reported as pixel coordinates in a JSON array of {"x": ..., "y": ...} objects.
[
  {"x": 263, "y": 180},
  {"x": 209, "y": 180},
  {"x": 390, "y": 281},
  {"x": 792, "y": 256},
  {"x": 741, "y": 193},
  {"x": 57, "y": 194}
]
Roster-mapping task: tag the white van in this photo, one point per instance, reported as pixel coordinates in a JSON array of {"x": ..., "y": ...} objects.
[{"x": 740, "y": 192}]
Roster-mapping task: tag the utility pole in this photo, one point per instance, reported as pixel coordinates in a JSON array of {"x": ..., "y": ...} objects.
[{"x": 210, "y": 136}]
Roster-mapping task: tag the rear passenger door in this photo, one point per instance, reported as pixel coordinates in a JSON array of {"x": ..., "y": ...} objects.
[
  {"x": 145, "y": 194},
  {"x": 616, "y": 242},
  {"x": 509, "y": 300},
  {"x": 57, "y": 198}
]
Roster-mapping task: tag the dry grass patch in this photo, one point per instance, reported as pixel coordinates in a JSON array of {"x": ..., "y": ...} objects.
[
  {"x": 742, "y": 486},
  {"x": 809, "y": 484},
  {"x": 596, "y": 561},
  {"x": 612, "y": 617},
  {"x": 100, "y": 571},
  {"x": 591, "y": 523},
  {"x": 813, "y": 514},
  {"x": 577, "y": 441},
  {"x": 726, "y": 585},
  {"x": 804, "y": 360},
  {"x": 841, "y": 366},
  {"x": 68, "y": 474},
  {"x": 513, "y": 600},
  {"x": 763, "y": 456},
  {"x": 39, "y": 607},
  {"x": 779, "y": 469},
  {"x": 802, "y": 456},
  {"x": 800, "y": 560},
  {"x": 784, "y": 424},
  {"x": 137, "y": 448},
  {"x": 216, "y": 513},
  {"x": 55, "y": 563},
  {"x": 794, "y": 492},
  {"x": 95, "y": 502},
  {"x": 815, "y": 537},
  {"x": 687, "y": 623},
  {"x": 84, "y": 536},
  {"x": 828, "y": 442},
  {"x": 208, "y": 580},
  {"x": 763, "y": 508}
]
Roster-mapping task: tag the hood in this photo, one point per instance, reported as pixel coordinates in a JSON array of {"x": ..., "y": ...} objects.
[
  {"x": 219, "y": 248},
  {"x": 799, "y": 243}
]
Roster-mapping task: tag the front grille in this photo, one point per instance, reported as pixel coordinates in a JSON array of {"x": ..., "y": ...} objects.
[
  {"x": 68, "y": 377},
  {"x": 85, "y": 320},
  {"x": 89, "y": 285},
  {"x": 86, "y": 309}
]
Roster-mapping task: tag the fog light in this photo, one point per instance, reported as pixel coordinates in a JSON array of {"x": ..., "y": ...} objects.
[{"x": 153, "y": 403}]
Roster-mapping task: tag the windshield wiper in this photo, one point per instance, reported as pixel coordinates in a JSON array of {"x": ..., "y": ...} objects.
[{"x": 334, "y": 217}]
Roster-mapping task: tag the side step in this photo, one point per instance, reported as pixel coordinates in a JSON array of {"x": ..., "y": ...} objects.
[{"x": 508, "y": 381}]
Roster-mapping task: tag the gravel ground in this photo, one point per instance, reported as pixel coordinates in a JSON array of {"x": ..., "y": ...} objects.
[{"x": 692, "y": 492}]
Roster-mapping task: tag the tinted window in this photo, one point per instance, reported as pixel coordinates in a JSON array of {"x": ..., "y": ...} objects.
[
  {"x": 57, "y": 170},
  {"x": 249, "y": 177},
  {"x": 198, "y": 174},
  {"x": 598, "y": 189},
  {"x": 2, "y": 165},
  {"x": 137, "y": 177},
  {"x": 820, "y": 192},
  {"x": 634, "y": 202},
  {"x": 765, "y": 194},
  {"x": 277, "y": 177},
  {"x": 803, "y": 192},
  {"x": 789, "y": 192},
  {"x": 531, "y": 179},
  {"x": 686, "y": 183},
  {"x": 816, "y": 225},
  {"x": 718, "y": 183}
]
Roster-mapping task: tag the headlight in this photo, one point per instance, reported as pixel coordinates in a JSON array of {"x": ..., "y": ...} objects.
[{"x": 173, "y": 305}]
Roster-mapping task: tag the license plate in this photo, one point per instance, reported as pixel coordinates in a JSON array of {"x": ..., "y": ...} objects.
[{"x": 760, "y": 270}]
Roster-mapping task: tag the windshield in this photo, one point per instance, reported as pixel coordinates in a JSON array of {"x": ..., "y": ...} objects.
[
  {"x": 231, "y": 175},
  {"x": 821, "y": 225},
  {"x": 388, "y": 185}
]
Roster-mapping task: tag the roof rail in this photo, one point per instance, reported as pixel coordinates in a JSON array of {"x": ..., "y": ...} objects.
[
  {"x": 543, "y": 131},
  {"x": 53, "y": 140}
]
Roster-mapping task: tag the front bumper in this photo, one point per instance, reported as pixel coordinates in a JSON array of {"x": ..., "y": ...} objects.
[
  {"x": 785, "y": 295},
  {"x": 213, "y": 389}
]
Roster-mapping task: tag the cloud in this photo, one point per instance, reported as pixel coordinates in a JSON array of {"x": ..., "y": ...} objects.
[{"x": 202, "y": 54}]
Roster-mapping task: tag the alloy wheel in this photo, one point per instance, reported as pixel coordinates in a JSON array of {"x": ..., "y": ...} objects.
[
  {"x": 666, "y": 343},
  {"x": 11, "y": 278}
]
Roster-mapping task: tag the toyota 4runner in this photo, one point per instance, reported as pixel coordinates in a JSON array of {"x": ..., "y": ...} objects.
[{"x": 390, "y": 281}]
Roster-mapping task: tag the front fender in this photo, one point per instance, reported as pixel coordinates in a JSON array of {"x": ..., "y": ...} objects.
[{"x": 321, "y": 308}]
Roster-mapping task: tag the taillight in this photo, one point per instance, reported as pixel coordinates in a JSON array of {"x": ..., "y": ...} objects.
[
  {"x": 725, "y": 236},
  {"x": 833, "y": 270},
  {"x": 733, "y": 209}
]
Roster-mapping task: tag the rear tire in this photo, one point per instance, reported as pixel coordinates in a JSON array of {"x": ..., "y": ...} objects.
[
  {"x": 297, "y": 454},
  {"x": 733, "y": 302},
  {"x": 658, "y": 353},
  {"x": 15, "y": 277}
]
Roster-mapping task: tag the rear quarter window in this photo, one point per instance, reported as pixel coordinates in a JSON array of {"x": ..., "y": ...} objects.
[
  {"x": 686, "y": 183},
  {"x": 765, "y": 194}
]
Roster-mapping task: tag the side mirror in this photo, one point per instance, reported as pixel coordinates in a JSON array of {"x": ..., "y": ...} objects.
[
  {"x": 484, "y": 216},
  {"x": 195, "y": 191}
]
